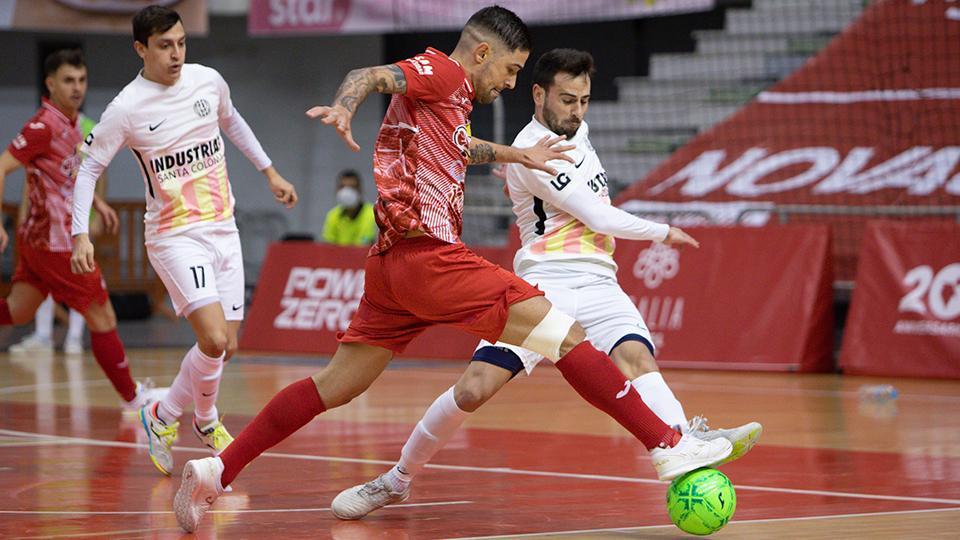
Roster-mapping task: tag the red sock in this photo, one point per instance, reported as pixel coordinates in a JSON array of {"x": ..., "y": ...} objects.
[
  {"x": 108, "y": 350},
  {"x": 287, "y": 412},
  {"x": 597, "y": 380},
  {"x": 6, "y": 319}
]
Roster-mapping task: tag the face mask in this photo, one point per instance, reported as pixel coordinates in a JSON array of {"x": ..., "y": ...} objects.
[{"x": 348, "y": 197}]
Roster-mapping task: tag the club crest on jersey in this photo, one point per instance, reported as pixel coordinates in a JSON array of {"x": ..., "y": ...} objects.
[
  {"x": 461, "y": 138},
  {"x": 201, "y": 107}
]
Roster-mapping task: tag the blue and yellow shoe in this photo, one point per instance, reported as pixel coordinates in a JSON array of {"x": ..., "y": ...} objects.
[{"x": 160, "y": 438}]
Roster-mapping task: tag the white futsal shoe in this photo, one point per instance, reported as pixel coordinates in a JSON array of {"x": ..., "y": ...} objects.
[
  {"x": 73, "y": 346},
  {"x": 689, "y": 454},
  {"x": 147, "y": 394},
  {"x": 199, "y": 488},
  {"x": 743, "y": 437},
  {"x": 30, "y": 344},
  {"x": 360, "y": 500}
]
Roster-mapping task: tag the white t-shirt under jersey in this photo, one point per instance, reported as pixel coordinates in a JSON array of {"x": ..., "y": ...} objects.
[
  {"x": 174, "y": 133},
  {"x": 550, "y": 233}
]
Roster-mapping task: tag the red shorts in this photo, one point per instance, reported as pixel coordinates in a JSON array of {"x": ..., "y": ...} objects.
[
  {"x": 421, "y": 282},
  {"x": 49, "y": 272}
]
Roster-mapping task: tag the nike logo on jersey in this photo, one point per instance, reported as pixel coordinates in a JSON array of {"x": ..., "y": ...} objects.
[
  {"x": 153, "y": 127},
  {"x": 237, "y": 308},
  {"x": 577, "y": 166},
  {"x": 207, "y": 395},
  {"x": 626, "y": 388}
]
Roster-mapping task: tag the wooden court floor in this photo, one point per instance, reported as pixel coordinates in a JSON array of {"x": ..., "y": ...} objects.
[{"x": 536, "y": 462}]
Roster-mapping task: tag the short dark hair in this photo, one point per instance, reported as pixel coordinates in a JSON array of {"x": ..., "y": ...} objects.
[
  {"x": 504, "y": 24},
  {"x": 153, "y": 20},
  {"x": 350, "y": 173},
  {"x": 54, "y": 60},
  {"x": 555, "y": 61}
]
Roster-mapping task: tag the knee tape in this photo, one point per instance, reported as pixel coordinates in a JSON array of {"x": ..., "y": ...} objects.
[{"x": 545, "y": 338}]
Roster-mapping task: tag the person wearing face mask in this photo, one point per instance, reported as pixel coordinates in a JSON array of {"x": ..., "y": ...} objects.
[{"x": 351, "y": 221}]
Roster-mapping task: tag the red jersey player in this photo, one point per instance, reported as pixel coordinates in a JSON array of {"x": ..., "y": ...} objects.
[
  {"x": 48, "y": 147},
  {"x": 420, "y": 274}
]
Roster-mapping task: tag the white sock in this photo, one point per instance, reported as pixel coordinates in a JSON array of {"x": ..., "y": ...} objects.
[
  {"x": 77, "y": 324},
  {"x": 44, "y": 320},
  {"x": 179, "y": 397},
  {"x": 441, "y": 420},
  {"x": 658, "y": 396},
  {"x": 205, "y": 372}
]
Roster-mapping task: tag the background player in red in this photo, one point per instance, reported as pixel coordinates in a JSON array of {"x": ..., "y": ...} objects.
[
  {"x": 48, "y": 147},
  {"x": 420, "y": 274}
]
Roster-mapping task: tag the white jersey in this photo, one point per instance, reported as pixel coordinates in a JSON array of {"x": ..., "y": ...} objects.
[
  {"x": 549, "y": 234},
  {"x": 174, "y": 133}
]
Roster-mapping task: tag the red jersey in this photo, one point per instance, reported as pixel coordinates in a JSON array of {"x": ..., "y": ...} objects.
[
  {"x": 47, "y": 146},
  {"x": 420, "y": 157}
]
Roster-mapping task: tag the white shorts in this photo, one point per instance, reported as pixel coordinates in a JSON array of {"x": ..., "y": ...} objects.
[
  {"x": 201, "y": 266},
  {"x": 597, "y": 303}
]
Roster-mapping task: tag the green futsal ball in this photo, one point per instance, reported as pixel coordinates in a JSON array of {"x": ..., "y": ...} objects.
[{"x": 701, "y": 502}]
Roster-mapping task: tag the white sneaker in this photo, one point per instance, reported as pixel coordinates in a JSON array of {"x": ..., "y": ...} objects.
[
  {"x": 147, "y": 394},
  {"x": 199, "y": 488},
  {"x": 743, "y": 437},
  {"x": 360, "y": 500},
  {"x": 73, "y": 346},
  {"x": 32, "y": 343},
  {"x": 689, "y": 454}
]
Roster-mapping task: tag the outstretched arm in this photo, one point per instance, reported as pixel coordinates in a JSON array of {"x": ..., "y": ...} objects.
[
  {"x": 355, "y": 88},
  {"x": 534, "y": 157}
]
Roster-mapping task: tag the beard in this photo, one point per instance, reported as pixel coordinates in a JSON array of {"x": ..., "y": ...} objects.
[
  {"x": 567, "y": 129},
  {"x": 486, "y": 98}
]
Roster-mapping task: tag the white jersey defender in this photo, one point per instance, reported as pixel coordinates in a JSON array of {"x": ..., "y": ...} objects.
[{"x": 567, "y": 229}]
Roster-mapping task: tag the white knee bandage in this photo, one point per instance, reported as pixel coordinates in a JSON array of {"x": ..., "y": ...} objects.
[{"x": 545, "y": 338}]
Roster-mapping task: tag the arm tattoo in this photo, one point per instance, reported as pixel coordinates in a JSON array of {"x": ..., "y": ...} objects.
[
  {"x": 393, "y": 81},
  {"x": 360, "y": 82},
  {"x": 481, "y": 153}
]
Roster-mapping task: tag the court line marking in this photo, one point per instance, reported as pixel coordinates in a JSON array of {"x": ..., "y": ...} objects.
[
  {"x": 497, "y": 470},
  {"x": 914, "y": 397},
  {"x": 51, "y": 386},
  {"x": 734, "y": 522},
  {"x": 95, "y": 534},
  {"x": 237, "y": 511}
]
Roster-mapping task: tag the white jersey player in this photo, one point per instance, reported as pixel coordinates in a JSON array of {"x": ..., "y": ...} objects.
[
  {"x": 567, "y": 229},
  {"x": 171, "y": 116}
]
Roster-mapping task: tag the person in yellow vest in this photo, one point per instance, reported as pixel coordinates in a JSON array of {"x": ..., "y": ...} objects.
[{"x": 351, "y": 221}]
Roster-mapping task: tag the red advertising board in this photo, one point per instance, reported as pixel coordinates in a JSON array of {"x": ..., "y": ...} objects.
[
  {"x": 905, "y": 313},
  {"x": 307, "y": 293},
  {"x": 748, "y": 298}
]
